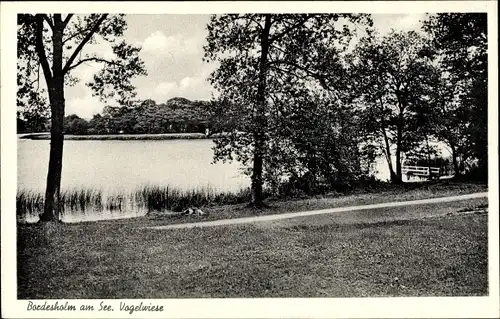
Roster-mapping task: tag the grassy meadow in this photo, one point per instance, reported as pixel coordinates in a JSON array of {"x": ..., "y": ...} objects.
[
  {"x": 425, "y": 250},
  {"x": 437, "y": 249}
]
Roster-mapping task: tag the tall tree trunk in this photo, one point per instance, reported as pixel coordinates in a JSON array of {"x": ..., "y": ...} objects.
[
  {"x": 388, "y": 156},
  {"x": 454, "y": 156},
  {"x": 52, "y": 207},
  {"x": 428, "y": 149},
  {"x": 399, "y": 138},
  {"x": 399, "y": 171},
  {"x": 261, "y": 122},
  {"x": 399, "y": 141}
]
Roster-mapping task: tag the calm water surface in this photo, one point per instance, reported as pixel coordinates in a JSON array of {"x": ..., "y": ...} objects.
[
  {"x": 126, "y": 165},
  {"x": 120, "y": 167},
  {"x": 116, "y": 167}
]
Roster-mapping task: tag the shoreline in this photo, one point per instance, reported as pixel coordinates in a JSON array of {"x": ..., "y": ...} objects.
[
  {"x": 120, "y": 137},
  {"x": 92, "y": 205}
]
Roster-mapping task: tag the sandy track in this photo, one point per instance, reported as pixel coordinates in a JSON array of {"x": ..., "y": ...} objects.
[{"x": 256, "y": 219}]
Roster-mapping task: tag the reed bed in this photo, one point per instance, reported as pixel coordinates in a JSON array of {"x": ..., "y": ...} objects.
[
  {"x": 159, "y": 198},
  {"x": 28, "y": 204},
  {"x": 81, "y": 199},
  {"x": 147, "y": 198}
]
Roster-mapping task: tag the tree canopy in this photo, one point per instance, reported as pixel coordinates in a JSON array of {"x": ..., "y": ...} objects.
[
  {"x": 391, "y": 84},
  {"x": 57, "y": 44},
  {"x": 265, "y": 62},
  {"x": 460, "y": 42}
]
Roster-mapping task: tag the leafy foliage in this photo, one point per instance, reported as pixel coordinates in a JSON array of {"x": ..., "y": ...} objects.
[
  {"x": 391, "y": 86},
  {"x": 177, "y": 115},
  {"x": 73, "y": 124},
  {"x": 55, "y": 44},
  {"x": 270, "y": 69},
  {"x": 460, "y": 45}
]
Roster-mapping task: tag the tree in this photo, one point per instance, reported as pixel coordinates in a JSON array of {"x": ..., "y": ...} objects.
[
  {"x": 450, "y": 118},
  {"x": 326, "y": 143},
  {"x": 98, "y": 125},
  {"x": 391, "y": 84},
  {"x": 73, "y": 124},
  {"x": 258, "y": 55},
  {"x": 33, "y": 120},
  {"x": 461, "y": 42},
  {"x": 147, "y": 117},
  {"x": 55, "y": 43}
]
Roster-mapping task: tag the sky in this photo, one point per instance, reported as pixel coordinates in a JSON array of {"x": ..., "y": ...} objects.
[{"x": 172, "y": 50}]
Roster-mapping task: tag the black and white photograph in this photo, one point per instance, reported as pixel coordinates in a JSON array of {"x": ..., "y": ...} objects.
[{"x": 176, "y": 161}]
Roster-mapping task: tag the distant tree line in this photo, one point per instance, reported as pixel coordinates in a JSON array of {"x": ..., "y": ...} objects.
[{"x": 177, "y": 115}]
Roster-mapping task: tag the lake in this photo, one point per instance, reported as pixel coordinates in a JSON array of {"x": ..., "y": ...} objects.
[{"x": 124, "y": 166}]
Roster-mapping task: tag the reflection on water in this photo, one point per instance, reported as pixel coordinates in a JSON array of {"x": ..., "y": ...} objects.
[{"x": 89, "y": 215}]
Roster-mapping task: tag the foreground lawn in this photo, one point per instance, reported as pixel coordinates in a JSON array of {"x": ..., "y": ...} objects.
[{"x": 386, "y": 252}]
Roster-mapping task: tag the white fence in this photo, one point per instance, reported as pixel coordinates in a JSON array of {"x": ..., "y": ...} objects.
[{"x": 423, "y": 171}]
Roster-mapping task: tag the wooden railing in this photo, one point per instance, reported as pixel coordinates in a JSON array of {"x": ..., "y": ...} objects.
[{"x": 421, "y": 171}]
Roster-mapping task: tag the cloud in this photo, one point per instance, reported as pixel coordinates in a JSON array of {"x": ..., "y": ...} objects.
[
  {"x": 408, "y": 21},
  {"x": 401, "y": 22},
  {"x": 175, "y": 67},
  {"x": 175, "y": 45},
  {"x": 84, "y": 107},
  {"x": 194, "y": 87},
  {"x": 86, "y": 71},
  {"x": 170, "y": 59}
]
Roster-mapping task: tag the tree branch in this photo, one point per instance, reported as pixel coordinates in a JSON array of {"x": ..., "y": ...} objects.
[
  {"x": 293, "y": 27},
  {"x": 74, "y": 35},
  {"x": 84, "y": 41},
  {"x": 279, "y": 49},
  {"x": 38, "y": 78},
  {"x": 94, "y": 59},
  {"x": 318, "y": 77},
  {"x": 66, "y": 20},
  {"x": 252, "y": 18},
  {"x": 47, "y": 19},
  {"x": 40, "y": 50}
]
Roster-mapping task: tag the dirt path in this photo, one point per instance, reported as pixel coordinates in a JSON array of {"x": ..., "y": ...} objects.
[{"x": 246, "y": 220}]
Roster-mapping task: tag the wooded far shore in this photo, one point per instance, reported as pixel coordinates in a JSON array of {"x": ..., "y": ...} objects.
[{"x": 123, "y": 137}]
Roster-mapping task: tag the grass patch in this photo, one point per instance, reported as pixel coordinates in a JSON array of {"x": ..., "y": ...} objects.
[{"x": 366, "y": 255}]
